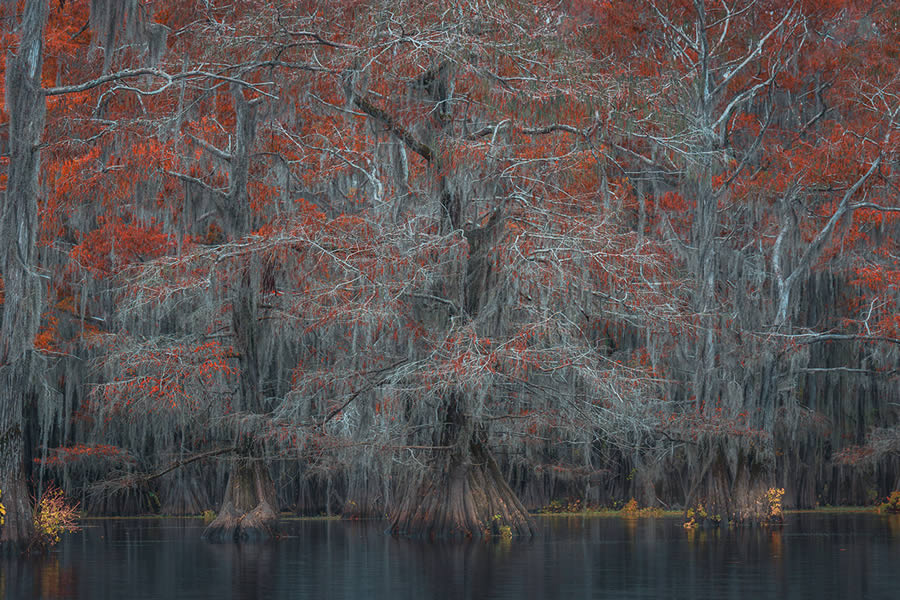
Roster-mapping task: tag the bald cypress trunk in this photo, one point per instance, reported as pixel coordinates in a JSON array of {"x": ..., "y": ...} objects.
[
  {"x": 730, "y": 474},
  {"x": 250, "y": 509},
  {"x": 463, "y": 493},
  {"x": 22, "y": 287}
]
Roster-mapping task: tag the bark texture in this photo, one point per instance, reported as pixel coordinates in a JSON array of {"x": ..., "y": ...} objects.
[
  {"x": 732, "y": 489},
  {"x": 250, "y": 510},
  {"x": 463, "y": 494},
  {"x": 22, "y": 288}
]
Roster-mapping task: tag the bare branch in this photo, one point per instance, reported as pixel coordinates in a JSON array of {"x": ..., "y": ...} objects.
[{"x": 366, "y": 105}]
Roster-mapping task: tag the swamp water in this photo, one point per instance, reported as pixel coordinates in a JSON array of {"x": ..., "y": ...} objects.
[{"x": 851, "y": 556}]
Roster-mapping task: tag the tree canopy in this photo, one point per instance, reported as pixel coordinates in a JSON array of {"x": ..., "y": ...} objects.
[{"x": 447, "y": 261}]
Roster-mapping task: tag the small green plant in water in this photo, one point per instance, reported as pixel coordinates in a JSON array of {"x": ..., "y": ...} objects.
[
  {"x": 698, "y": 516},
  {"x": 892, "y": 504},
  {"x": 504, "y": 531},
  {"x": 208, "y": 515},
  {"x": 871, "y": 495},
  {"x": 53, "y": 516}
]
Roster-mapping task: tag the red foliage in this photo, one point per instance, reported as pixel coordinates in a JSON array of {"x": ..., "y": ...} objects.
[
  {"x": 85, "y": 453},
  {"x": 592, "y": 130}
]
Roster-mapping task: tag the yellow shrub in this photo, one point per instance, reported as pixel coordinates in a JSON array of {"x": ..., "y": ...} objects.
[
  {"x": 892, "y": 505},
  {"x": 773, "y": 503},
  {"x": 53, "y": 516},
  {"x": 630, "y": 507}
]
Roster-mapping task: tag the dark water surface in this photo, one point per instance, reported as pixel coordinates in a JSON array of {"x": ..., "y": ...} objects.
[{"x": 852, "y": 556}]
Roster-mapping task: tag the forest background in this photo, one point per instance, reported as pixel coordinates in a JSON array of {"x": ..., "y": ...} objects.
[{"x": 446, "y": 262}]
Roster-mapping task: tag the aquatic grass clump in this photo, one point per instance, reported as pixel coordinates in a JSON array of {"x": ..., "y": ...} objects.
[
  {"x": 628, "y": 510},
  {"x": 561, "y": 507}
]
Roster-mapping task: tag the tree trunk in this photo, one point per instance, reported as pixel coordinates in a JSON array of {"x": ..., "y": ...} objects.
[
  {"x": 250, "y": 509},
  {"x": 463, "y": 494},
  {"x": 732, "y": 489},
  {"x": 365, "y": 493},
  {"x": 22, "y": 289}
]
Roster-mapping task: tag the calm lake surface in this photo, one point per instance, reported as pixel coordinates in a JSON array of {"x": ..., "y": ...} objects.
[{"x": 852, "y": 556}]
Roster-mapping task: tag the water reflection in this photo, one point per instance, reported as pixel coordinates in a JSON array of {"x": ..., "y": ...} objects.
[
  {"x": 893, "y": 522},
  {"x": 54, "y": 581},
  {"x": 250, "y": 568},
  {"x": 837, "y": 556},
  {"x": 775, "y": 544}
]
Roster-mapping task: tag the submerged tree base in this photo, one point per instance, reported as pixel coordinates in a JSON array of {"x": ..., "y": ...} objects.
[
  {"x": 734, "y": 488},
  {"x": 470, "y": 499},
  {"x": 249, "y": 510},
  {"x": 15, "y": 520}
]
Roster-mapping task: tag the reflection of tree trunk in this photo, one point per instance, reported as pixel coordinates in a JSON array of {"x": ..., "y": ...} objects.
[
  {"x": 468, "y": 569},
  {"x": 253, "y": 572},
  {"x": 250, "y": 508},
  {"x": 22, "y": 289},
  {"x": 464, "y": 493}
]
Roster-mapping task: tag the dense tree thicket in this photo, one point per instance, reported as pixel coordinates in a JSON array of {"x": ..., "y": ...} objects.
[{"x": 443, "y": 262}]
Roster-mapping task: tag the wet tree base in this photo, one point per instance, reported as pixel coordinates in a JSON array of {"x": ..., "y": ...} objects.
[
  {"x": 17, "y": 529},
  {"x": 248, "y": 512},
  {"x": 469, "y": 500},
  {"x": 231, "y": 525}
]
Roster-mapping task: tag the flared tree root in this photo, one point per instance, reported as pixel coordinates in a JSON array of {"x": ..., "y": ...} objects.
[
  {"x": 735, "y": 491},
  {"x": 470, "y": 499},
  {"x": 250, "y": 510}
]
